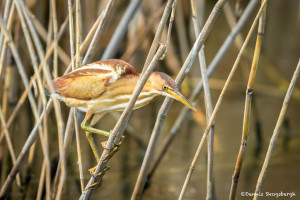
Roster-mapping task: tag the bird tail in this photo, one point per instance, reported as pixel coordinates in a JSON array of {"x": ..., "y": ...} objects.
[{"x": 47, "y": 91}]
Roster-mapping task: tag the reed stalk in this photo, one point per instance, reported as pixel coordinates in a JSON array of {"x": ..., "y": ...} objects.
[
  {"x": 121, "y": 29},
  {"x": 142, "y": 34},
  {"x": 181, "y": 32},
  {"x": 55, "y": 52},
  {"x": 158, "y": 34},
  {"x": 7, "y": 10},
  {"x": 217, "y": 106},
  {"x": 4, "y": 45},
  {"x": 69, "y": 133},
  {"x": 248, "y": 101},
  {"x": 81, "y": 176},
  {"x": 62, "y": 55},
  {"x": 276, "y": 131},
  {"x": 9, "y": 144},
  {"x": 71, "y": 30},
  {"x": 208, "y": 105},
  {"x": 41, "y": 182},
  {"x": 99, "y": 32}
]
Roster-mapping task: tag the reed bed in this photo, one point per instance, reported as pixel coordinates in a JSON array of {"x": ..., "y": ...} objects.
[{"x": 44, "y": 155}]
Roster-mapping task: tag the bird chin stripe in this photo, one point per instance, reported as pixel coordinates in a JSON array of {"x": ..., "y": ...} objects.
[
  {"x": 125, "y": 97},
  {"x": 139, "y": 103},
  {"x": 142, "y": 94},
  {"x": 82, "y": 109}
]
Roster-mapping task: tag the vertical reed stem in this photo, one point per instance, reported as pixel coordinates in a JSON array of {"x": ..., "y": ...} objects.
[
  {"x": 247, "y": 111},
  {"x": 55, "y": 56},
  {"x": 208, "y": 105}
]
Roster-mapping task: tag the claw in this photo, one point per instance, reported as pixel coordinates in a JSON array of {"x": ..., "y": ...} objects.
[
  {"x": 100, "y": 174},
  {"x": 115, "y": 148}
]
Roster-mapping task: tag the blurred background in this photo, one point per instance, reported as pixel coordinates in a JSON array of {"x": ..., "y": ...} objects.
[{"x": 278, "y": 60}]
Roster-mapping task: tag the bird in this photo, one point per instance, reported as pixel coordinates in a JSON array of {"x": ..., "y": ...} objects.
[{"x": 107, "y": 85}]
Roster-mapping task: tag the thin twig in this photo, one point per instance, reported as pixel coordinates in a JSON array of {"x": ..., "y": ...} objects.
[
  {"x": 217, "y": 106},
  {"x": 276, "y": 131},
  {"x": 247, "y": 111}
]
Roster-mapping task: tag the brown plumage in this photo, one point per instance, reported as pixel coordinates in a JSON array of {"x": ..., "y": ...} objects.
[{"x": 107, "y": 85}]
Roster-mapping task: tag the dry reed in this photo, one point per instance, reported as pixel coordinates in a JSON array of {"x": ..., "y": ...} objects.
[{"x": 248, "y": 102}]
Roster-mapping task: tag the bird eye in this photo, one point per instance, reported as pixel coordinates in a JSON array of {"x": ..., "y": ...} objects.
[{"x": 164, "y": 87}]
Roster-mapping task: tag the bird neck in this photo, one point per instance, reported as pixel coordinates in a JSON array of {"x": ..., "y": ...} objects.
[{"x": 149, "y": 84}]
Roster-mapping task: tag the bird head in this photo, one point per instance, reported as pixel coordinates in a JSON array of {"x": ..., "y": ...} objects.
[{"x": 166, "y": 86}]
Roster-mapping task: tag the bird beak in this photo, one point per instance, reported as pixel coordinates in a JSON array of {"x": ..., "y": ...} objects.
[{"x": 178, "y": 96}]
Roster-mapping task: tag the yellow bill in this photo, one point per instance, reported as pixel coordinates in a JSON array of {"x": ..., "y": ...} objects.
[{"x": 178, "y": 96}]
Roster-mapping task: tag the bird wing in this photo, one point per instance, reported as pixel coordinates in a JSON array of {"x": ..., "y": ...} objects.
[{"x": 91, "y": 80}]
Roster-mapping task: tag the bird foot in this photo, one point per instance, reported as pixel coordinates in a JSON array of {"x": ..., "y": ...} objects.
[
  {"x": 116, "y": 148},
  {"x": 98, "y": 176}
]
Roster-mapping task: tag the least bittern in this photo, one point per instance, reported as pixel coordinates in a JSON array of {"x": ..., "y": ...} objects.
[{"x": 107, "y": 85}]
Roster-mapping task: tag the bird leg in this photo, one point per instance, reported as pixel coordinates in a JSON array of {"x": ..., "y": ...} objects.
[
  {"x": 91, "y": 140},
  {"x": 89, "y": 135},
  {"x": 100, "y": 176}
]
